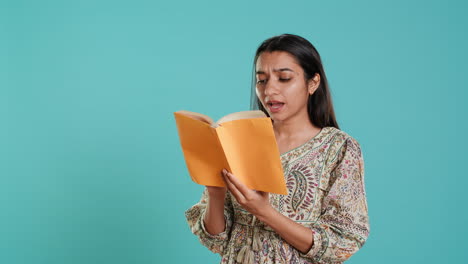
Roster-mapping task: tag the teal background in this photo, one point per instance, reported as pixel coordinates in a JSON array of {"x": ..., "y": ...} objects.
[{"x": 91, "y": 170}]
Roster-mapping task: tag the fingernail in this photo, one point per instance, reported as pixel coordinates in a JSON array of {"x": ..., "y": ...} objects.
[{"x": 224, "y": 171}]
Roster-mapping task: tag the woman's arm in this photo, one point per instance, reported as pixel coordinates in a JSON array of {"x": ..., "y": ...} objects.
[
  {"x": 214, "y": 217},
  {"x": 295, "y": 234},
  {"x": 343, "y": 226},
  {"x": 257, "y": 203},
  {"x": 196, "y": 216}
]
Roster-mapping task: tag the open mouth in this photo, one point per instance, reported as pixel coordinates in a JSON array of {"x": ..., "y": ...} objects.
[{"x": 275, "y": 106}]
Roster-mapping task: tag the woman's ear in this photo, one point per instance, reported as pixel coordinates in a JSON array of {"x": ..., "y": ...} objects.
[{"x": 313, "y": 83}]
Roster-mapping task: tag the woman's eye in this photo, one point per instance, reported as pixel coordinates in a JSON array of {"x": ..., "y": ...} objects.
[
  {"x": 260, "y": 81},
  {"x": 284, "y": 79}
]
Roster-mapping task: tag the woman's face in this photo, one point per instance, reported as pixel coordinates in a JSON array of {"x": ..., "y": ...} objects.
[{"x": 281, "y": 86}]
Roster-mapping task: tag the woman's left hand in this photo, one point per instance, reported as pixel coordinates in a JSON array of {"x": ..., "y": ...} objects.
[{"x": 256, "y": 202}]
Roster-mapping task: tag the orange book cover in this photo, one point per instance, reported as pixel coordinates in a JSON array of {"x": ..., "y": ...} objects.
[{"x": 243, "y": 143}]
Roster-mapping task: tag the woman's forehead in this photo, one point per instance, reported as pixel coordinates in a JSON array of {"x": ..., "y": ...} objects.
[{"x": 275, "y": 61}]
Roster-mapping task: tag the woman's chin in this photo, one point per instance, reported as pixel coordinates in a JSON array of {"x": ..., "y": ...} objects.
[{"x": 276, "y": 117}]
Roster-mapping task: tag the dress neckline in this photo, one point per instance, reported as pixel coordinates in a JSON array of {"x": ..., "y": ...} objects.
[{"x": 322, "y": 130}]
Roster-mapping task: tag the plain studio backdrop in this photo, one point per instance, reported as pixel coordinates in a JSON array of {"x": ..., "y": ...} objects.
[{"x": 91, "y": 170}]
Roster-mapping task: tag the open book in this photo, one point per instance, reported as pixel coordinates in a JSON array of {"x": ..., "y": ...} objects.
[{"x": 243, "y": 143}]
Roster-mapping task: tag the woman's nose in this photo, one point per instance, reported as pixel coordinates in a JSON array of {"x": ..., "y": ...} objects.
[{"x": 270, "y": 88}]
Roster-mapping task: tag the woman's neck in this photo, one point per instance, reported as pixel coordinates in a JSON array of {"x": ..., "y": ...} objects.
[{"x": 297, "y": 128}]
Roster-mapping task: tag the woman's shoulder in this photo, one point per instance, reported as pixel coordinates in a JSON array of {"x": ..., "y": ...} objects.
[
  {"x": 340, "y": 142},
  {"x": 340, "y": 149},
  {"x": 338, "y": 136}
]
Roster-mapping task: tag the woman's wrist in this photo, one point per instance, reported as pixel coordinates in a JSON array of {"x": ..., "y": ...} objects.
[
  {"x": 214, "y": 216},
  {"x": 268, "y": 212},
  {"x": 216, "y": 193}
]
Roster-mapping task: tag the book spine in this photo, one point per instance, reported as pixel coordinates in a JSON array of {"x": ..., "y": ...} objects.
[{"x": 221, "y": 147}]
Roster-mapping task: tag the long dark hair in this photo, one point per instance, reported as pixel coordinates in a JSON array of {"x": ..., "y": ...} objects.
[{"x": 319, "y": 104}]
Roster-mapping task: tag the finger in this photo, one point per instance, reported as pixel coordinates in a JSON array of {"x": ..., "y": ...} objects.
[
  {"x": 224, "y": 178},
  {"x": 233, "y": 189},
  {"x": 239, "y": 185}
]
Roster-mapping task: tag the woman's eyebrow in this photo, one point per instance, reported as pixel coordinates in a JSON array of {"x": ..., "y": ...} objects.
[{"x": 276, "y": 70}]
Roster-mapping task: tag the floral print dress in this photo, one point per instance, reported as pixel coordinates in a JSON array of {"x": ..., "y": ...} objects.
[{"x": 326, "y": 193}]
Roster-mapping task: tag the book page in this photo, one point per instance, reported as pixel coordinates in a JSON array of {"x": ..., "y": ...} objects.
[
  {"x": 202, "y": 151},
  {"x": 252, "y": 153},
  {"x": 241, "y": 115},
  {"x": 197, "y": 116}
]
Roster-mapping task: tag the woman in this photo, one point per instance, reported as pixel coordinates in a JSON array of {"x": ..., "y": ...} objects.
[{"x": 324, "y": 217}]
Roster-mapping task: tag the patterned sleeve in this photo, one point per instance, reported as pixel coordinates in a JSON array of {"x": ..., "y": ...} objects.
[
  {"x": 196, "y": 214},
  {"x": 343, "y": 226}
]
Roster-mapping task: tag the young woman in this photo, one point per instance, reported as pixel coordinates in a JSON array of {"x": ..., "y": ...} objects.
[{"x": 324, "y": 217}]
